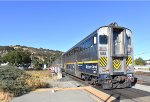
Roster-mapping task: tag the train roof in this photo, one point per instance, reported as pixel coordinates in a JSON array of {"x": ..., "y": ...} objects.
[{"x": 115, "y": 25}]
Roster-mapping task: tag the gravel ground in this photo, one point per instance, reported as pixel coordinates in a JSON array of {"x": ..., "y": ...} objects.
[
  {"x": 144, "y": 79},
  {"x": 138, "y": 93},
  {"x": 142, "y": 87}
]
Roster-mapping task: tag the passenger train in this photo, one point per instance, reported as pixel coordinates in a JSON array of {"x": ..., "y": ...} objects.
[{"x": 104, "y": 57}]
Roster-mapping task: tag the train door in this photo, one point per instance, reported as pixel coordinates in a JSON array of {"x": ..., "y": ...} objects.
[
  {"x": 118, "y": 51},
  {"x": 103, "y": 51},
  {"x": 77, "y": 70},
  {"x": 129, "y": 51}
]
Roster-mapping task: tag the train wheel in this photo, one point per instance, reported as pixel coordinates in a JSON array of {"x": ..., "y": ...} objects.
[
  {"x": 128, "y": 85},
  {"x": 83, "y": 77},
  {"x": 92, "y": 81}
]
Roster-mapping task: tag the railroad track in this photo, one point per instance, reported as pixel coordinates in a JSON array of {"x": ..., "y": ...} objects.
[
  {"x": 128, "y": 94},
  {"x": 123, "y": 95}
]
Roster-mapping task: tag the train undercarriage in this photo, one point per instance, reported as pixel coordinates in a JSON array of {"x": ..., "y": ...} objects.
[{"x": 111, "y": 82}]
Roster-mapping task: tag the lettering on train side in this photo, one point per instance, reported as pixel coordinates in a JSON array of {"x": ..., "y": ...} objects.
[{"x": 91, "y": 67}]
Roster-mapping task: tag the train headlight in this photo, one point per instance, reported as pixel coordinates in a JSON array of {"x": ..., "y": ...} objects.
[
  {"x": 105, "y": 69},
  {"x": 129, "y": 75}
]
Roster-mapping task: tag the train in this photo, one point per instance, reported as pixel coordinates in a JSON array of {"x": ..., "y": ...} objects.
[{"x": 105, "y": 57}]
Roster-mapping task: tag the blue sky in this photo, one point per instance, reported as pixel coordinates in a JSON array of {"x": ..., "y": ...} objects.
[{"x": 60, "y": 25}]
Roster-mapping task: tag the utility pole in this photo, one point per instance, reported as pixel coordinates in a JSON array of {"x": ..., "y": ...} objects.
[
  {"x": 32, "y": 59},
  {"x": 49, "y": 61}
]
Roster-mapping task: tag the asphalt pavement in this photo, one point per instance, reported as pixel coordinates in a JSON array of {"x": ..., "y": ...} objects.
[{"x": 60, "y": 96}]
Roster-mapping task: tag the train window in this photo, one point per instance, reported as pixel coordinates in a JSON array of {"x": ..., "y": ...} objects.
[
  {"x": 87, "y": 44},
  {"x": 103, "y": 39},
  {"x": 94, "y": 40},
  {"x": 128, "y": 40},
  {"x": 81, "y": 47},
  {"x": 90, "y": 43},
  {"x": 78, "y": 49}
]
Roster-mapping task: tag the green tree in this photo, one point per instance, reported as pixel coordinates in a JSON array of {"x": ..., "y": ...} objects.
[
  {"x": 17, "y": 57},
  {"x": 0, "y": 59},
  {"x": 37, "y": 63},
  {"x": 139, "y": 61}
]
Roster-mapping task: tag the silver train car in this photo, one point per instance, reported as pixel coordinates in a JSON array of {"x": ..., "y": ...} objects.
[{"x": 104, "y": 57}]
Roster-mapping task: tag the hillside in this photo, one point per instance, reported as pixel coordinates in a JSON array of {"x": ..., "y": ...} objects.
[{"x": 40, "y": 53}]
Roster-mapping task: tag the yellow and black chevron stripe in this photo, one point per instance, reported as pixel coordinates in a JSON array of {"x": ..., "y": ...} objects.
[
  {"x": 129, "y": 60},
  {"x": 116, "y": 63},
  {"x": 103, "y": 61}
]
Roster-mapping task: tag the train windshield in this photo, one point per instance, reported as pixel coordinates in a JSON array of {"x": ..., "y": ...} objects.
[{"x": 103, "y": 39}]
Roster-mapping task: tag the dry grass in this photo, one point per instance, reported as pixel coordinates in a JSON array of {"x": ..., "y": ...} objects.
[
  {"x": 5, "y": 97},
  {"x": 39, "y": 79}
]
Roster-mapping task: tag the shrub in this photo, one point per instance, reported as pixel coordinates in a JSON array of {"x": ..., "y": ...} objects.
[{"x": 13, "y": 80}]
